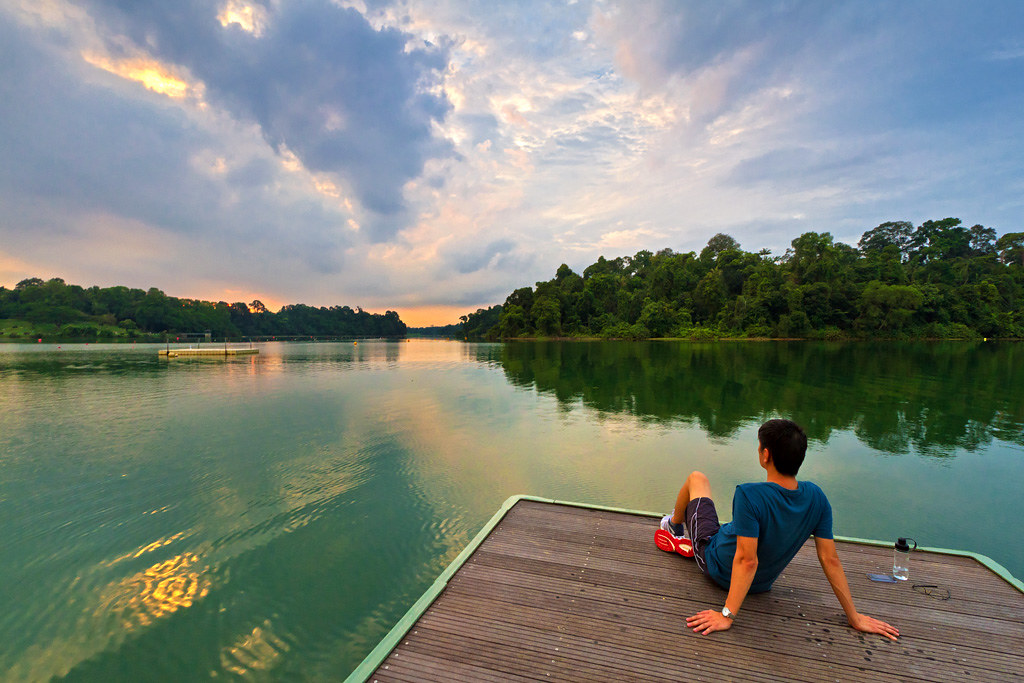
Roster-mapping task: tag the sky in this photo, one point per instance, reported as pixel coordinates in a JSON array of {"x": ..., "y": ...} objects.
[{"x": 430, "y": 157}]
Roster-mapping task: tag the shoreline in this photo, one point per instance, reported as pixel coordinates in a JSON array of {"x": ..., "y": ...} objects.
[
  {"x": 100, "y": 340},
  {"x": 768, "y": 339}
]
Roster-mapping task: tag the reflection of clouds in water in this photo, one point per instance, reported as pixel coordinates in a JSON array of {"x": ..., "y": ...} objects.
[
  {"x": 148, "y": 548},
  {"x": 257, "y": 650},
  {"x": 160, "y": 590},
  {"x": 283, "y": 490}
]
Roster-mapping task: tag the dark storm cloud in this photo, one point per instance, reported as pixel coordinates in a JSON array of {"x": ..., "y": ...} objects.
[{"x": 319, "y": 80}]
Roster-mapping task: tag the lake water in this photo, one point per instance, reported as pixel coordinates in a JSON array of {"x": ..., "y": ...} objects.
[{"x": 271, "y": 517}]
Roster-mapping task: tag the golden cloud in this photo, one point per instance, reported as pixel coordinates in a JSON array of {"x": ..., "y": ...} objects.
[
  {"x": 249, "y": 18},
  {"x": 149, "y": 72}
]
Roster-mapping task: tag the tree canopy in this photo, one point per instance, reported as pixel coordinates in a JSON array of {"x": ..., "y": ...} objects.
[
  {"x": 56, "y": 308},
  {"x": 938, "y": 280}
]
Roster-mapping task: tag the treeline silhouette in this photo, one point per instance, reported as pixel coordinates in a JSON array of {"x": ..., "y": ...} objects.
[
  {"x": 54, "y": 308},
  {"x": 937, "y": 280},
  {"x": 453, "y": 331},
  {"x": 929, "y": 397}
]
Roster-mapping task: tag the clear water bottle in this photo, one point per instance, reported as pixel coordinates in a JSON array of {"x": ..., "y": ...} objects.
[{"x": 901, "y": 558}]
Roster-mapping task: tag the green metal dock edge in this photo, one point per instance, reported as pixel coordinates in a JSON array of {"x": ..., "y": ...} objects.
[{"x": 395, "y": 635}]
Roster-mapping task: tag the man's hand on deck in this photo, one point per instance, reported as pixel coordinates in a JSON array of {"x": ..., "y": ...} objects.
[
  {"x": 708, "y": 621},
  {"x": 866, "y": 624}
]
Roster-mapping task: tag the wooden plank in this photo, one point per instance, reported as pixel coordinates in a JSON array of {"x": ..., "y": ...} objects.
[
  {"x": 565, "y": 517},
  {"x": 701, "y": 589},
  {"x": 963, "y": 584},
  {"x": 645, "y": 643},
  {"x": 963, "y": 597},
  {"x": 621, "y": 657},
  {"x": 512, "y": 658},
  {"x": 414, "y": 667},
  {"x": 560, "y": 588},
  {"x": 793, "y": 632},
  {"x": 824, "y": 596},
  {"x": 563, "y": 520},
  {"x": 558, "y": 592},
  {"x": 644, "y": 527}
]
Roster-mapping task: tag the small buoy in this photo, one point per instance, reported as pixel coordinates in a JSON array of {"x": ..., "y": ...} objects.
[{"x": 355, "y": 343}]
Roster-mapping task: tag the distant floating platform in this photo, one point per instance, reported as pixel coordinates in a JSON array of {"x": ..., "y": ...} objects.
[{"x": 212, "y": 351}]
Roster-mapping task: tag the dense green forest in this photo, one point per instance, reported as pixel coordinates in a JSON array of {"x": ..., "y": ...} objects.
[
  {"x": 937, "y": 280},
  {"x": 35, "y": 308}
]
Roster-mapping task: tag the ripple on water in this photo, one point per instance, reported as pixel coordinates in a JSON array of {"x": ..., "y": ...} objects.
[
  {"x": 158, "y": 591},
  {"x": 93, "y": 608},
  {"x": 271, "y": 520},
  {"x": 255, "y": 652}
]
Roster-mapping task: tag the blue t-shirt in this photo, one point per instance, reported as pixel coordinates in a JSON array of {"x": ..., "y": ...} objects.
[{"x": 781, "y": 520}]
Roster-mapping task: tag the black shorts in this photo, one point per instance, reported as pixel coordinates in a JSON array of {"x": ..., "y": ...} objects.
[{"x": 702, "y": 523}]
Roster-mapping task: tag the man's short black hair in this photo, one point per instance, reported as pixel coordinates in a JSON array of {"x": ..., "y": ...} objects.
[{"x": 786, "y": 442}]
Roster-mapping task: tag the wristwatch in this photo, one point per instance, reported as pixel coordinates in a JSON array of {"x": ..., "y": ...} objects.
[{"x": 727, "y": 614}]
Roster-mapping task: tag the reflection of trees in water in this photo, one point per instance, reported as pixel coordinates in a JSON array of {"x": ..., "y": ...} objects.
[
  {"x": 56, "y": 364},
  {"x": 933, "y": 397}
]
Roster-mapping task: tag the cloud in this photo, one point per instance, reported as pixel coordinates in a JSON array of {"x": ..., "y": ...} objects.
[
  {"x": 94, "y": 163},
  {"x": 1008, "y": 53},
  {"x": 472, "y": 260},
  {"x": 785, "y": 166},
  {"x": 743, "y": 44},
  {"x": 319, "y": 80},
  {"x": 71, "y": 144},
  {"x": 401, "y": 153}
]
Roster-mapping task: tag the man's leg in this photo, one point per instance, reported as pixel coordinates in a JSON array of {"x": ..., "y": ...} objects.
[
  {"x": 695, "y": 486},
  {"x": 695, "y": 507},
  {"x": 672, "y": 536}
]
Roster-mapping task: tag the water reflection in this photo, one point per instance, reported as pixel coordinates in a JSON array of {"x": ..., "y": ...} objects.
[
  {"x": 257, "y": 651},
  {"x": 267, "y": 462},
  {"x": 158, "y": 591},
  {"x": 53, "y": 361},
  {"x": 897, "y": 398},
  {"x": 271, "y": 517}
]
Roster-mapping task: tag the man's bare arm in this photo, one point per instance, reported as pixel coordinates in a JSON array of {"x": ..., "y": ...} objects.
[
  {"x": 744, "y": 564},
  {"x": 833, "y": 568}
]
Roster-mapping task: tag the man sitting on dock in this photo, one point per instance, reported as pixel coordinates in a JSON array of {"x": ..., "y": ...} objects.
[{"x": 771, "y": 521}]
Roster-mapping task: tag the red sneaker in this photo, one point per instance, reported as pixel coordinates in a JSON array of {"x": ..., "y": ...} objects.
[{"x": 670, "y": 543}]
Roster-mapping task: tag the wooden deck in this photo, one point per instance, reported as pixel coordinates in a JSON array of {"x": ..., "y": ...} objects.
[{"x": 564, "y": 593}]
